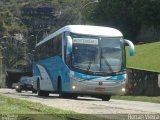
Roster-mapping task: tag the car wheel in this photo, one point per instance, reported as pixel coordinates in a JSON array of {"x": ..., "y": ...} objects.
[
  {"x": 34, "y": 91},
  {"x": 106, "y": 98},
  {"x": 18, "y": 88}
]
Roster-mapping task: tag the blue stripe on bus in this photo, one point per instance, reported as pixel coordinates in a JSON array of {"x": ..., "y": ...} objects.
[
  {"x": 91, "y": 77},
  {"x": 55, "y": 67},
  {"x": 36, "y": 71},
  {"x": 85, "y": 77},
  {"x": 117, "y": 77},
  {"x": 50, "y": 76}
]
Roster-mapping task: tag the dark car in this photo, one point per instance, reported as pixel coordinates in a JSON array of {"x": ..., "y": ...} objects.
[{"x": 25, "y": 83}]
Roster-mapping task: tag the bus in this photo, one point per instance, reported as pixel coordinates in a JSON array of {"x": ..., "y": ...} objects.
[{"x": 81, "y": 60}]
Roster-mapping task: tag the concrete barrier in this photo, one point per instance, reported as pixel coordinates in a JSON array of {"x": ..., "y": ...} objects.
[{"x": 143, "y": 82}]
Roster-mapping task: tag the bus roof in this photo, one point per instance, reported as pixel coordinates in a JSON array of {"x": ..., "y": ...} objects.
[{"x": 85, "y": 30}]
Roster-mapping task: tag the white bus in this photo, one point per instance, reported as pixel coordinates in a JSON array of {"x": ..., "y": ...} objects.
[{"x": 82, "y": 60}]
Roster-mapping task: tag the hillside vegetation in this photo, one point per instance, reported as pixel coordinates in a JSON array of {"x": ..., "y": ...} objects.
[
  {"x": 147, "y": 56},
  {"x": 30, "y": 18},
  {"x": 129, "y": 16}
]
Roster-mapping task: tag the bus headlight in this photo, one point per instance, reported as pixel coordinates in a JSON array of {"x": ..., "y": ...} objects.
[
  {"x": 73, "y": 87},
  {"x": 123, "y": 89}
]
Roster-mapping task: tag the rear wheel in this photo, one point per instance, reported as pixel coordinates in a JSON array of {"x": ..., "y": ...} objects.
[
  {"x": 75, "y": 97},
  {"x": 45, "y": 93},
  {"x": 40, "y": 93}
]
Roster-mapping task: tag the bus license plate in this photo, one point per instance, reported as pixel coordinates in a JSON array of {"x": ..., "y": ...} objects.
[{"x": 100, "y": 89}]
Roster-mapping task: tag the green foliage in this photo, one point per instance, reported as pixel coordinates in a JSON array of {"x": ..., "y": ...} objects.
[
  {"x": 147, "y": 56},
  {"x": 128, "y": 15},
  {"x": 25, "y": 109}
]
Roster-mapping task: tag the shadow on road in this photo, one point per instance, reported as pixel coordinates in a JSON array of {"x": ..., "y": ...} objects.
[{"x": 51, "y": 96}]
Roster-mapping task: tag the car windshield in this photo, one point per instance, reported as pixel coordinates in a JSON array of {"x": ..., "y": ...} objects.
[
  {"x": 26, "y": 80},
  {"x": 97, "y": 54}
]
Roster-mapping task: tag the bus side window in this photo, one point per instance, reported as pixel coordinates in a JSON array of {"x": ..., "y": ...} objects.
[
  {"x": 64, "y": 46},
  {"x": 67, "y": 57},
  {"x": 59, "y": 50}
]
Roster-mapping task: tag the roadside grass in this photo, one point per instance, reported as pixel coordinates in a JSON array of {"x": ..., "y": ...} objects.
[
  {"x": 155, "y": 99},
  {"x": 35, "y": 111},
  {"x": 147, "y": 56}
]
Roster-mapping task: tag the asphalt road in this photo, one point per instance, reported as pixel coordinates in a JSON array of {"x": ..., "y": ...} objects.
[{"x": 88, "y": 105}]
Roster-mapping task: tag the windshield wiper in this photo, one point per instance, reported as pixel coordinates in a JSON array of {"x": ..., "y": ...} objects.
[
  {"x": 106, "y": 61},
  {"x": 89, "y": 65}
]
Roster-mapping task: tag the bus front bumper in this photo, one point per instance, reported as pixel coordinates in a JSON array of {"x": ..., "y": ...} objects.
[{"x": 98, "y": 88}]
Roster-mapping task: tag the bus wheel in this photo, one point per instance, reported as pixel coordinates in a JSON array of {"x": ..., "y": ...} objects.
[
  {"x": 40, "y": 93},
  {"x": 46, "y": 94},
  {"x": 75, "y": 97},
  {"x": 106, "y": 98},
  {"x": 61, "y": 94}
]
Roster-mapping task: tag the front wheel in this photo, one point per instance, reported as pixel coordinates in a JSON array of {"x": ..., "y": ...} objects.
[
  {"x": 18, "y": 88},
  {"x": 61, "y": 94},
  {"x": 106, "y": 98}
]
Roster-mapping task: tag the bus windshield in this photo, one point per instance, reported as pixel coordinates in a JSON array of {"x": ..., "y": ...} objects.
[{"x": 97, "y": 54}]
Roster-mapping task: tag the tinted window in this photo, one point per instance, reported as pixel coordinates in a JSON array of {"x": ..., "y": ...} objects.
[{"x": 52, "y": 47}]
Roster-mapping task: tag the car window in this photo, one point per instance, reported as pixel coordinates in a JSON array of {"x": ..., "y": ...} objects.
[{"x": 26, "y": 80}]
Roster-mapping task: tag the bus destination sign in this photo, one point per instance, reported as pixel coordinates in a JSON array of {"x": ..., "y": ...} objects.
[{"x": 85, "y": 41}]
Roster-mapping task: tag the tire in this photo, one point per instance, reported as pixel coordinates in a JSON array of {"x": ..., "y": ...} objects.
[
  {"x": 18, "y": 88},
  {"x": 45, "y": 93},
  {"x": 74, "y": 97},
  {"x": 61, "y": 94},
  {"x": 34, "y": 91},
  {"x": 19, "y": 91},
  {"x": 106, "y": 98},
  {"x": 40, "y": 93}
]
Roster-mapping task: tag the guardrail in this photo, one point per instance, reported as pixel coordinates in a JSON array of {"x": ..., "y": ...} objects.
[{"x": 143, "y": 82}]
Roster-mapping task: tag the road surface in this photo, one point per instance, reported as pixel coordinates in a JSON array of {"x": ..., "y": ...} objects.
[{"x": 88, "y": 105}]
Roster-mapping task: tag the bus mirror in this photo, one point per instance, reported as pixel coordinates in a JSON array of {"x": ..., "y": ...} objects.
[
  {"x": 131, "y": 45},
  {"x": 69, "y": 44}
]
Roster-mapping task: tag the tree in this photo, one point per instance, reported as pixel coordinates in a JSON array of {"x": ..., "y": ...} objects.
[{"x": 128, "y": 15}]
